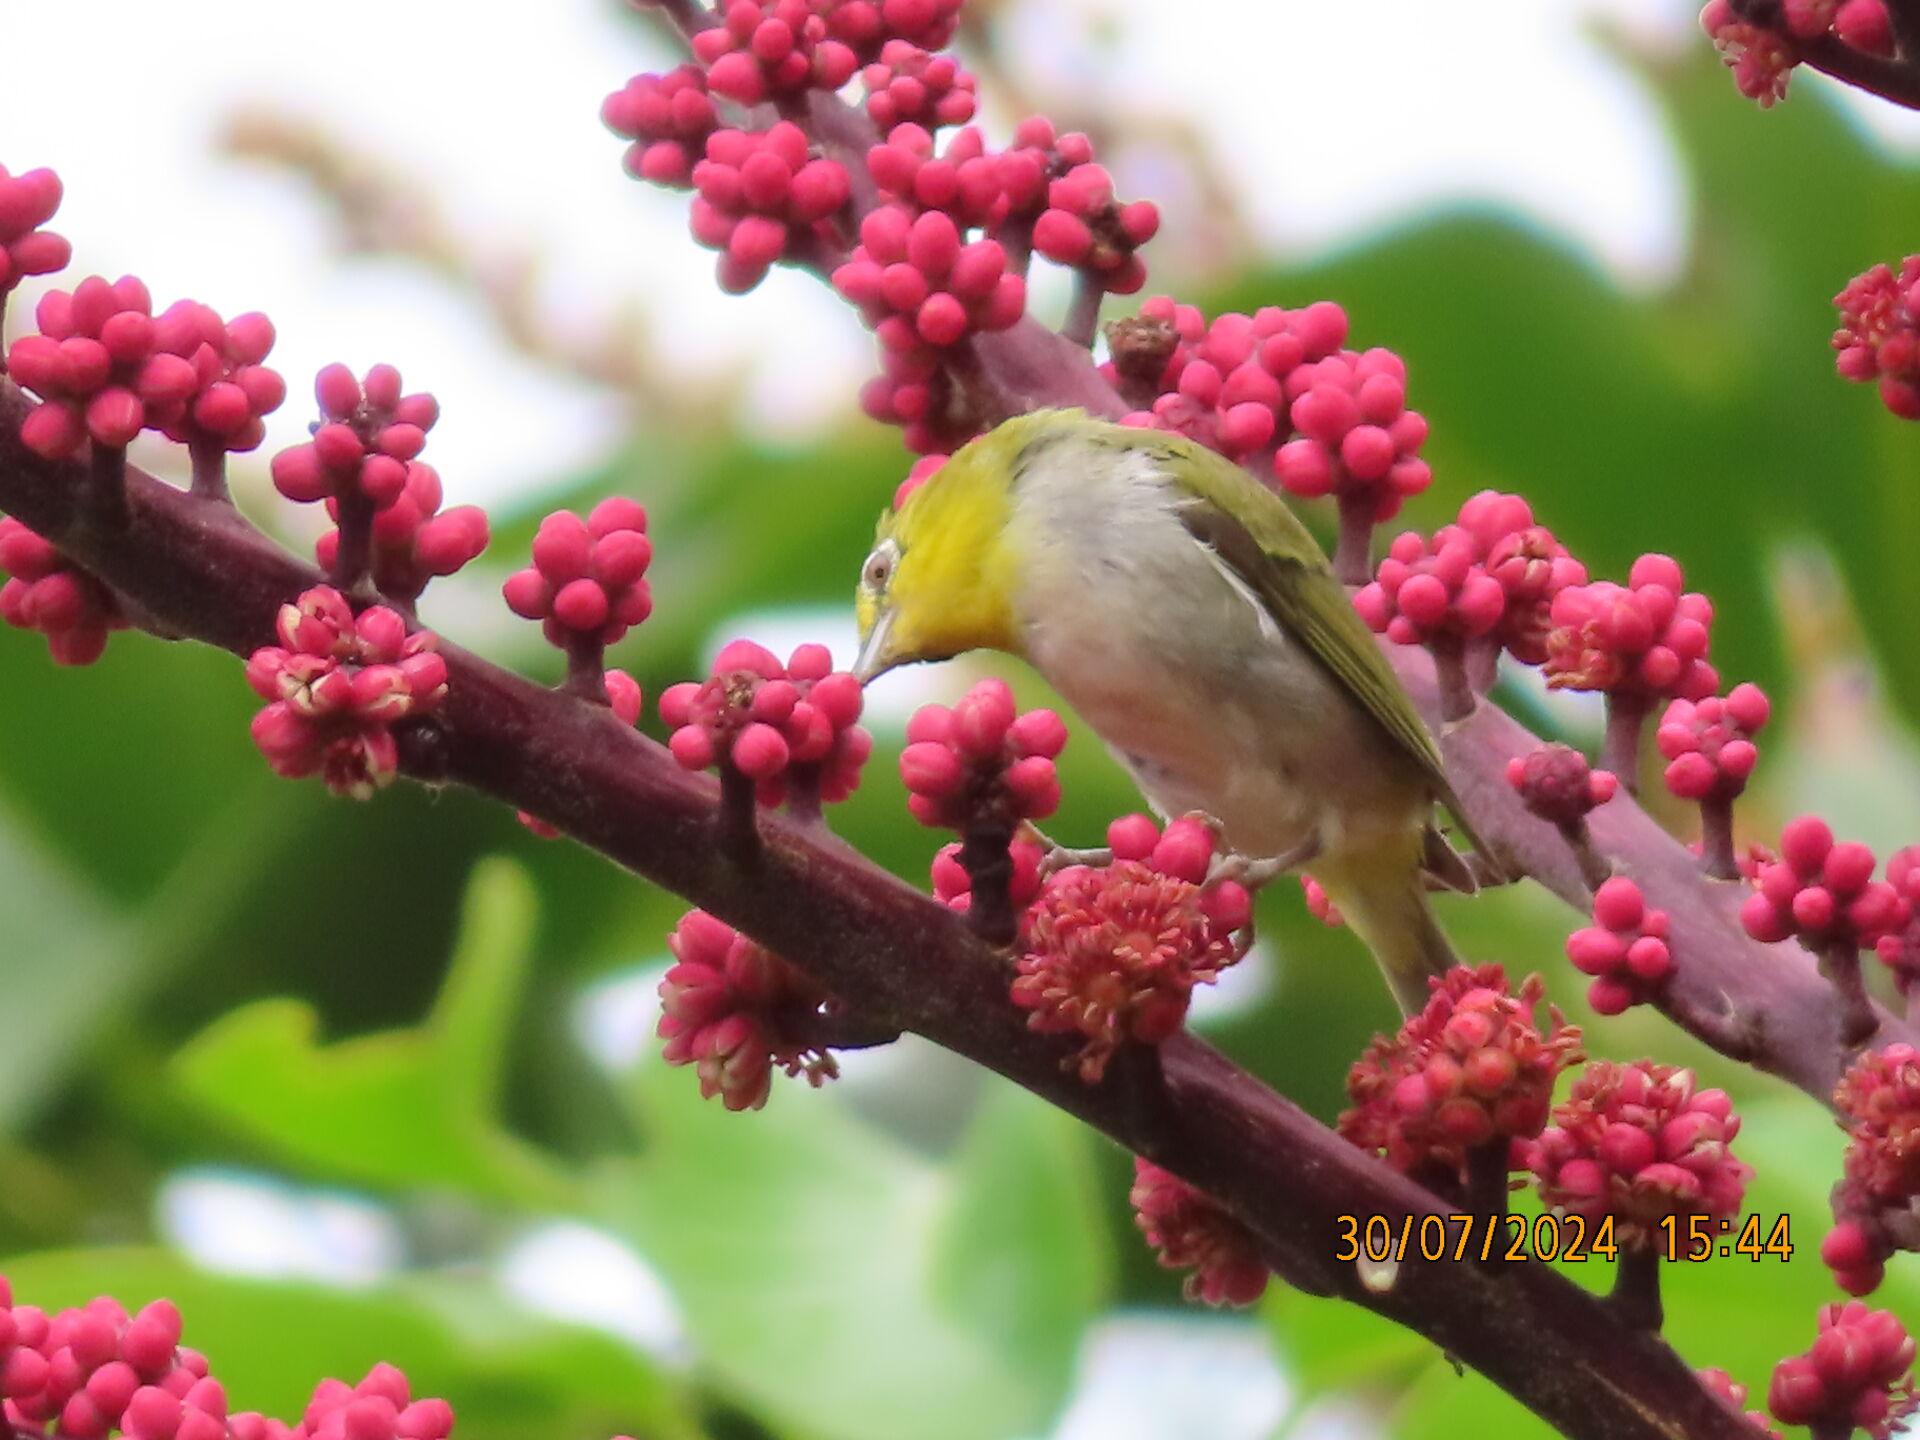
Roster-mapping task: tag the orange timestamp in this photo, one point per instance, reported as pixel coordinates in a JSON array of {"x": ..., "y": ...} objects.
[{"x": 1461, "y": 1236}]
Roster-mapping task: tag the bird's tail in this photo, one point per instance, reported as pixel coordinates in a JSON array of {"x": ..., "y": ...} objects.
[{"x": 1385, "y": 904}]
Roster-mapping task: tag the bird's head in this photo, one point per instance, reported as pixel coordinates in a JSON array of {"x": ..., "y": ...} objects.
[{"x": 942, "y": 574}]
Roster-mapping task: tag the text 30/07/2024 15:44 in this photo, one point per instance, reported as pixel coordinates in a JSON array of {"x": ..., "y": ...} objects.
[{"x": 1462, "y": 1236}]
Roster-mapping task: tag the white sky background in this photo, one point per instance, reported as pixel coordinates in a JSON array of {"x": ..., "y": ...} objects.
[{"x": 1348, "y": 124}]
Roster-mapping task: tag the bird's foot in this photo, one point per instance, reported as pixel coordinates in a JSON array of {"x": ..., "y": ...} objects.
[
  {"x": 1056, "y": 857},
  {"x": 1254, "y": 873}
]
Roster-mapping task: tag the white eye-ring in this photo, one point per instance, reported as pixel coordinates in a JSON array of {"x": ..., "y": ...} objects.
[{"x": 878, "y": 570}]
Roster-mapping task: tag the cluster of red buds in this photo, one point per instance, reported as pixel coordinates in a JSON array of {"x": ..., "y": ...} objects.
[
  {"x": 1485, "y": 583},
  {"x": 963, "y": 181},
  {"x": 1190, "y": 1231},
  {"x": 735, "y": 1010},
  {"x": 758, "y": 195},
  {"x": 1472, "y": 1070},
  {"x": 1647, "y": 639},
  {"x": 1879, "y": 336},
  {"x": 1320, "y": 904},
  {"x": 767, "y": 48},
  {"x": 28, "y": 201},
  {"x": 1709, "y": 745},
  {"x": 908, "y": 85},
  {"x": 1638, "y": 1143},
  {"x": 780, "y": 726},
  {"x": 1085, "y": 228},
  {"x": 587, "y": 585},
  {"x": 1624, "y": 950},
  {"x": 48, "y": 593},
  {"x": 982, "y": 759},
  {"x": 1431, "y": 591},
  {"x": 363, "y": 462},
  {"x": 94, "y": 1370},
  {"x": 1859, "y": 1373},
  {"x": 106, "y": 368},
  {"x": 1530, "y": 566},
  {"x": 1823, "y": 894},
  {"x": 1762, "y": 59},
  {"x": 335, "y": 687},
  {"x": 1878, "y": 1101},
  {"x": 668, "y": 118},
  {"x": 919, "y": 284}
]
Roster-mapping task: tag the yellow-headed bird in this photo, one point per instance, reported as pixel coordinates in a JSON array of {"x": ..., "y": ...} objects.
[{"x": 1182, "y": 610}]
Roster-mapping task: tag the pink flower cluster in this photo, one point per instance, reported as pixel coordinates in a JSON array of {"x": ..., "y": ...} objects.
[
  {"x": 1113, "y": 954},
  {"x": 368, "y": 437},
  {"x": 1821, "y": 893},
  {"x": 734, "y": 1010},
  {"x": 106, "y": 368},
  {"x": 1190, "y": 1231},
  {"x": 1471, "y": 1069},
  {"x": 1625, "y": 949},
  {"x": 94, "y": 1370},
  {"x": 1879, "y": 337},
  {"x": 1638, "y": 1142},
  {"x": 1859, "y": 1373},
  {"x": 27, "y": 201},
  {"x": 767, "y": 48},
  {"x": 1709, "y": 743},
  {"x": 919, "y": 285},
  {"x": 233, "y": 388},
  {"x": 776, "y": 724},
  {"x": 1556, "y": 783},
  {"x": 963, "y": 180},
  {"x": 758, "y": 194},
  {"x": 908, "y": 85},
  {"x": 1084, "y": 227},
  {"x": 48, "y": 593},
  {"x": 1530, "y": 565},
  {"x": 1878, "y": 1102},
  {"x": 335, "y": 686},
  {"x": 1645, "y": 640},
  {"x": 981, "y": 759},
  {"x": 1427, "y": 590},
  {"x": 1230, "y": 384},
  {"x": 1762, "y": 59},
  {"x": 587, "y": 584},
  {"x": 668, "y": 118},
  {"x": 414, "y": 540}
]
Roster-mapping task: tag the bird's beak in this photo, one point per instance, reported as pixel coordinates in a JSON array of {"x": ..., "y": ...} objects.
[{"x": 873, "y": 658}]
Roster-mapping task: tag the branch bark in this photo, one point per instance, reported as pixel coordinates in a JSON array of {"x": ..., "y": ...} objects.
[{"x": 201, "y": 570}]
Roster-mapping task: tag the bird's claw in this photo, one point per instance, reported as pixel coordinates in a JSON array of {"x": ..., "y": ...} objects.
[{"x": 1055, "y": 857}]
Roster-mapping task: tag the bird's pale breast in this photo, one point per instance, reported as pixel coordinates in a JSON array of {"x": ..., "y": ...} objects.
[{"x": 1185, "y": 675}]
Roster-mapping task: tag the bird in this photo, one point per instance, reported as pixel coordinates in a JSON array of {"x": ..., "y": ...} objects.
[{"x": 1181, "y": 609}]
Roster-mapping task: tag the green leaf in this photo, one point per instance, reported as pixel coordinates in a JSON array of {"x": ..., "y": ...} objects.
[
  {"x": 823, "y": 1268},
  {"x": 508, "y": 1374},
  {"x": 403, "y": 1108}
]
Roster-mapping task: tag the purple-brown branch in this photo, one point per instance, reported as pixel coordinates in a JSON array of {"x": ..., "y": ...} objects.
[{"x": 905, "y": 961}]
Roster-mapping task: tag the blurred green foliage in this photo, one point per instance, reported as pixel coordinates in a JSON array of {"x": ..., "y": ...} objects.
[{"x": 214, "y": 968}]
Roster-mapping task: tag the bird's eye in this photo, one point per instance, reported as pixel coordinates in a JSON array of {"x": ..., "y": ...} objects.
[{"x": 879, "y": 567}]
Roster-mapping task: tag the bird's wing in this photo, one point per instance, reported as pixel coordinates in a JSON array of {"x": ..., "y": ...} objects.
[{"x": 1258, "y": 538}]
